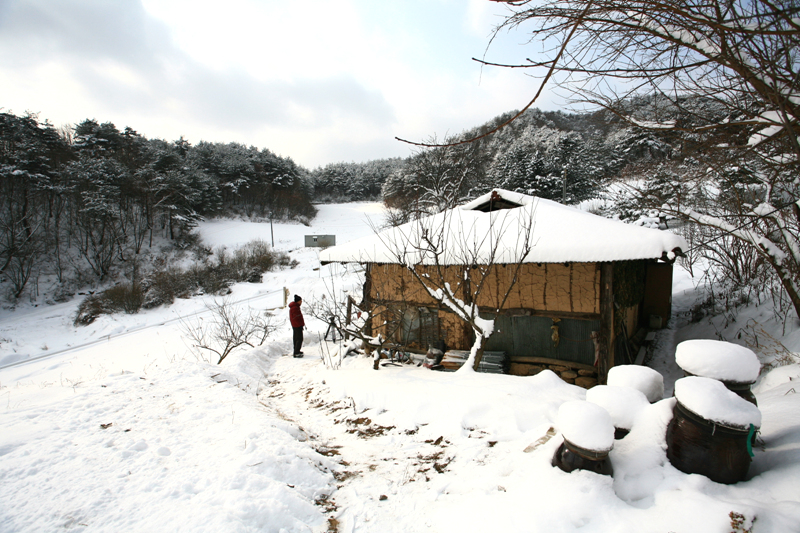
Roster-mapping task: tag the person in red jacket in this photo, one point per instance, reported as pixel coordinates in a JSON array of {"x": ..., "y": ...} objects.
[{"x": 298, "y": 323}]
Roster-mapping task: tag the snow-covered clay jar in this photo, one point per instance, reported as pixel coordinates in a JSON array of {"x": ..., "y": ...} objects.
[
  {"x": 736, "y": 366},
  {"x": 711, "y": 430},
  {"x": 622, "y": 403},
  {"x": 588, "y": 437},
  {"x": 642, "y": 378}
]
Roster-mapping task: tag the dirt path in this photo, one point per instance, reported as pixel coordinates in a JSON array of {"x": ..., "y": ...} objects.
[
  {"x": 380, "y": 467},
  {"x": 662, "y": 356}
]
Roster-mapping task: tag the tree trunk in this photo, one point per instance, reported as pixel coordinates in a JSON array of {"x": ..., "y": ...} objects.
[
  {"x": 787, "y": 281},
  {"x": 605, "y": 358},
  {"x": 480, "y": 343}
]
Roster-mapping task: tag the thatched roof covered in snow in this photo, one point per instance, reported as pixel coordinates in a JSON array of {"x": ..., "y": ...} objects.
[{"x": 493, "y": 228}]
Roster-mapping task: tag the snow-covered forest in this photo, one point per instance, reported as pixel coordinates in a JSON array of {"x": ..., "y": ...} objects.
[{"x": 85, "y": 205}]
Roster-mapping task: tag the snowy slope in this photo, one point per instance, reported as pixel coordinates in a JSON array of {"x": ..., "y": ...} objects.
[{"x": 135, "y": 433}]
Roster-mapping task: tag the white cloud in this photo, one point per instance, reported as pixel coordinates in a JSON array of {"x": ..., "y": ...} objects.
[
  {"x": 483, "y": 16},
  {"x": 319, "y": 81}
]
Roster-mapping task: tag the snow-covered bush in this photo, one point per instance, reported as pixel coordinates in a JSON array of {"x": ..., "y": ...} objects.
[
  {"x": 125, "y": 297},
  {"x": 162, "y": 285}
]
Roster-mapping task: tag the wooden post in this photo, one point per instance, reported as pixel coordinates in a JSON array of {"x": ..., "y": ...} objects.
[
  {"x": 366, "y": 299},
  {"x": 468, "y": 337},
  {"x": 349, "y": 314},
  {"x": 606, "y": 347}
]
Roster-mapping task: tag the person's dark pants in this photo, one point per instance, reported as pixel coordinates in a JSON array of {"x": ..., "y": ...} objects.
[{"x": 298, "y": 340}]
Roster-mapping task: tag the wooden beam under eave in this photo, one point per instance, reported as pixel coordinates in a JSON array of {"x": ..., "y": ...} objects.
[
  {"x": 366, "y": 298},
  {"x": 606, "y": 347}
]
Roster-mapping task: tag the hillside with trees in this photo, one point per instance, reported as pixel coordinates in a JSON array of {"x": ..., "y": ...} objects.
[
  {"x": 353, "y": 182},
  {"x": 567, "y": 157},
  {"x": 86, "y": 204}
]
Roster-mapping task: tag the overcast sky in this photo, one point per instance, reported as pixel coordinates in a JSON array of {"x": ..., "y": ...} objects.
[{"x": 319, "y": 81}]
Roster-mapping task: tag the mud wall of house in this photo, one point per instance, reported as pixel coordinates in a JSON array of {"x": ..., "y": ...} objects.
[
  {"x": 553, "y": 287},
  {"x": 546, "y": 288},
  {"x": 395, "y": 283},
  {"x": 455, "y": 332},
  {"x": 384, "y": 321}
]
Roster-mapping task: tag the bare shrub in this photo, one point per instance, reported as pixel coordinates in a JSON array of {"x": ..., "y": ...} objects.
[
  {"x": 772, "y": 352},
  {"x": 188, "y": 241},
  {"x": 124, "y": 297},
  {"x": 246, "y": 263},
  {"x": 348, "y": 319},
  {"x": 227, "y": 328},
  {"x": 163, "y": 286},
  {"x": 261, "y": 256},
  {"x": 90, "y": 308},
  {"x": 208, "y": 278}
]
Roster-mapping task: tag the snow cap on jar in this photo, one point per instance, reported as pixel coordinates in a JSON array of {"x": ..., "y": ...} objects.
[
  {"x": 720, "y": 360},
  {"x": 642, "y": 378},
  {"x": 586, "y": 425},
  {"x": 623, "y": 403},
  {"x": 711, "y": 400}
]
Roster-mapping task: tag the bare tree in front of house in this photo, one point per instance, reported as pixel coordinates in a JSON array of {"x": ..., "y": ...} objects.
[
  {"x": 458, "y": 254},
  {"x": 351, "y": 317}
]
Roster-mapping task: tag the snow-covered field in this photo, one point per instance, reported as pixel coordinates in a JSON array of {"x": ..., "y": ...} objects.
[{"x": 119, "y": 426}]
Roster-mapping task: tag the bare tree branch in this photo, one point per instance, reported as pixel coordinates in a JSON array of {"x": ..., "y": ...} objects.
[
  {"x": 550, "y": 72},
  {"x": 452, "y": 258},
  {"x": 228, "y": 328}
]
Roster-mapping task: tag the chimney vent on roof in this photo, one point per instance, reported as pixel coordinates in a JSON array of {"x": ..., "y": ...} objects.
[{"x": 495, "y": 203}]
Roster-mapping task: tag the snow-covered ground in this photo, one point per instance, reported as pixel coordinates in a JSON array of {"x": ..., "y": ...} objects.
[{"x": 119, "y": 426}]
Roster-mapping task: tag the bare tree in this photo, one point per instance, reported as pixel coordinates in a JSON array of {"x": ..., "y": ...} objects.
[
  {"x": 433, "y": 179},
  {"x": 228, "y": 328},
  {"x": 350, "y": 316},
  {"x": 727, "y": 69},
  {"x": 455, "y": 255},
  {"x": 21, "y": 267}
]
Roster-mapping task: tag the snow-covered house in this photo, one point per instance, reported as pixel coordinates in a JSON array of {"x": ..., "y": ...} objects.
[{"x": 580, "y": 284}]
